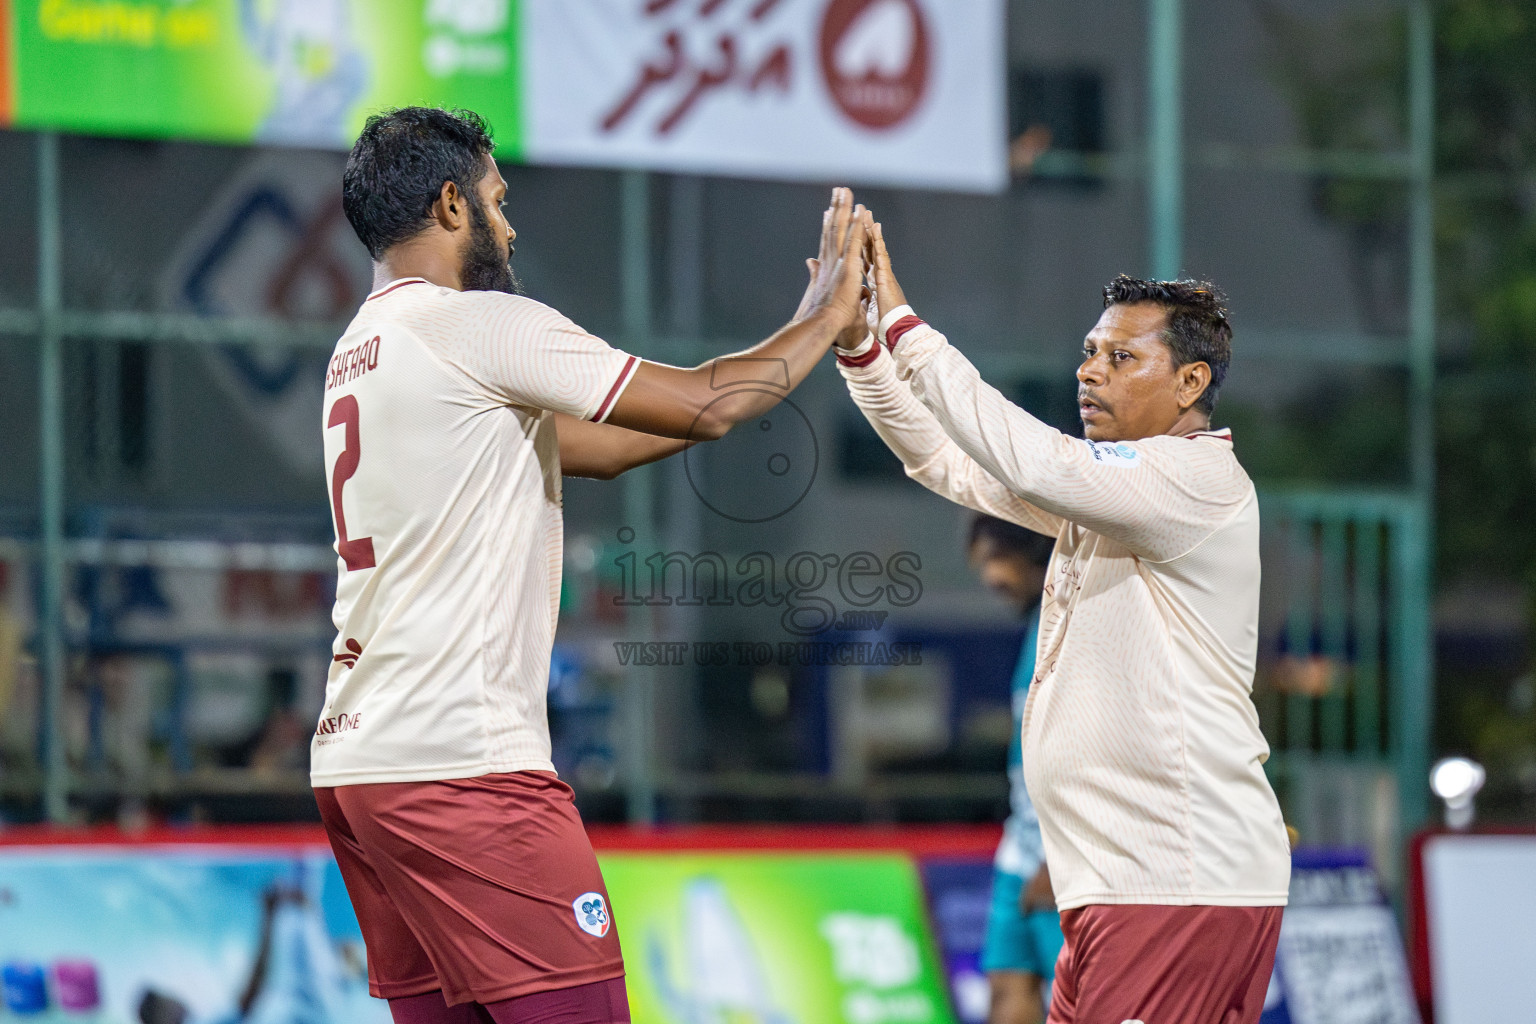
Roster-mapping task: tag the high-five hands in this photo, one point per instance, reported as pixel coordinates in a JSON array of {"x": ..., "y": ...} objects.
[
  {"x": 879, "y": 291},
  {"x": 683, "y": 403},
  {"x": 888, "y": 293},
  {"x": 837, "y": 286}
]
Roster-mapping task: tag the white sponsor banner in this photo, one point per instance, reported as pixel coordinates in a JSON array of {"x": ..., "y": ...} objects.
[
  {"x": 897, "y": 92},
  {"x": 1480, "y": 902}
]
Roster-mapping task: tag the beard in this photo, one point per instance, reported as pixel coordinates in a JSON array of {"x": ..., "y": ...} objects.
[{"x": 486, "y": 267}]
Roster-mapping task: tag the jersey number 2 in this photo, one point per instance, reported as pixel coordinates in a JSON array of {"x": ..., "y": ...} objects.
[{"x": 358, "y": 553}]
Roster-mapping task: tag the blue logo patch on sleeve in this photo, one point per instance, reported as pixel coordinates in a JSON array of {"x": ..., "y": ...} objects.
[{"x": 1117, "y": 454}]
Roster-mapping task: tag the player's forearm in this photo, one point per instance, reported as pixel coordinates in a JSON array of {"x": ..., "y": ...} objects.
[
  {"x": 915, "y": 436},
  {"x": 602, "y": 451},
  {"x": 744, "y": 385},
  {"x": 643, "y": 450},
  {"x": 1006, "y": 441},
  {"x": 705, "y": 402},
  {"x": 608, "y": 465},
  {"x": 906, "y": 426}
]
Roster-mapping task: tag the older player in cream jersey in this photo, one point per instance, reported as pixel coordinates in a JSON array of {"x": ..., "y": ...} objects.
[
  {"x": 1141, "y": 744},
  {"x": 452, "y": 408}
]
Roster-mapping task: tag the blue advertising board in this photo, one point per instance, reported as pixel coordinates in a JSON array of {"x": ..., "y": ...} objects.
[{"x": 180, "y": 937}]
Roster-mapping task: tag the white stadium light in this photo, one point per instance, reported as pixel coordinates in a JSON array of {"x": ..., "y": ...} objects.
[{"x": 1456, "y": 780}]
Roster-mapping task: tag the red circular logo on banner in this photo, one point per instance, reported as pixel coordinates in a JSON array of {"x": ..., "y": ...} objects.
[{"x": 875, "y": 56}]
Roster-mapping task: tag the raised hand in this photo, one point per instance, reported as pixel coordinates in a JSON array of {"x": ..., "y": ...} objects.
[
  {"x": 888, "y": 293},
  {"x": 861, "y": 326},
  {"x": 858, "y": 328},
  {"x": 687, "y": 404},
  {"x": 871, "y": 302},
  {"x": 837, "y": 272}
]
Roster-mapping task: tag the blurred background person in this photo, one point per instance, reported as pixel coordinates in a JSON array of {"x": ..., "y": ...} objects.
[{"x": 1023, "y": 928}]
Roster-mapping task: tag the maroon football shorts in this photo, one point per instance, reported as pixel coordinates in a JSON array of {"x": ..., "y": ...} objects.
[
  {"x": 486, "y": 888},
  {"x": 1124, "y": 964}
]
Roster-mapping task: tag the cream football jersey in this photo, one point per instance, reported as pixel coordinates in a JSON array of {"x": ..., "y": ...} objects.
[
  {"x": 1141, "y": 742},
  {"x": 444, "y": 476}
]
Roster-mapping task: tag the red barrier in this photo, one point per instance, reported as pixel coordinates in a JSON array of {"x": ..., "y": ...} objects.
[
  {"x": 165, "y": 835},
  {"x": 917, "y": 840}
]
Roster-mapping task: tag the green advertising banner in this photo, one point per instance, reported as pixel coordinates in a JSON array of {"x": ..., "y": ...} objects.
[
  {"x": 775, "y": 939},
  {"x": 288, "y": 72}
]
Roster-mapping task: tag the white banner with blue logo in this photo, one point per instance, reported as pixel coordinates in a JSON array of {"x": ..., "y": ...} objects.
[{"x": 1341, "y": 958}]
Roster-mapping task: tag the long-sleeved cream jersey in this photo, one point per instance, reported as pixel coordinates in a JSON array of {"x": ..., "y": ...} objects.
[{"x": 1141, "y": 743}]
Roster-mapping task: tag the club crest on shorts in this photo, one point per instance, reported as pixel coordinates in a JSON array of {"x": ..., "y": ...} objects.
[{"x": 592, "y": 913}]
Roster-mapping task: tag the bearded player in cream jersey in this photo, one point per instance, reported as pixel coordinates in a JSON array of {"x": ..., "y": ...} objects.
[{"x": 452, "y": 408}]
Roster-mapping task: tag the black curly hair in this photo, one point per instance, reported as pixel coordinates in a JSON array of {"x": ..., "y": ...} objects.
[
  {"x": 1198, "y": 329},
  {"x": 399, "y": 163}
]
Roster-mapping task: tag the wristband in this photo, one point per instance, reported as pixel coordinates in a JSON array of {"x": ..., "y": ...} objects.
[
  {"x": 889, "y": 320},
  {"x": 896, "y": 323},
  {"x": 857, "y": 350},
  {"x": 866, "y": 352}
]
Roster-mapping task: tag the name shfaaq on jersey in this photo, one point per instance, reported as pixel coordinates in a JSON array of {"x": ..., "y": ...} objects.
[
  {"x": 444, "y": 477},
  {"x": 353, "y": 363}
]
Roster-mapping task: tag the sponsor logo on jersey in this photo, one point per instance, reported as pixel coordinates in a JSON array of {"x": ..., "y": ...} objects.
[
  {"x": 349, "y": 656},
  {"x": 341, "y": 723},
  {"x": 592, "y": 913},
  {"x": 1110, "y": 453}
]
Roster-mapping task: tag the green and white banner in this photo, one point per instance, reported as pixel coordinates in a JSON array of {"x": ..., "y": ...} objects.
[
  {"x": 295, "y": 72},
  {"x": 775, "y": 939},
  {"x": 902, "y": 92},
  {"x": 245, "y": 935}
]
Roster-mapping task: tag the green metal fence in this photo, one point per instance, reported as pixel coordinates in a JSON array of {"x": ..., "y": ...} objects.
[
  {"x": 1345, "y": 683},
  {"x": 1363, "y": 561}
]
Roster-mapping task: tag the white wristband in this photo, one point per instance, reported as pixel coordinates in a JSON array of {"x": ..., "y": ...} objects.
[
  {"x": 858, "y": 350},
  {"x": 889, "y": 320}
]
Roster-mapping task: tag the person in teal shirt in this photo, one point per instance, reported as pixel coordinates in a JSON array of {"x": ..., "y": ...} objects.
[{"x": 1023, "y": 929}]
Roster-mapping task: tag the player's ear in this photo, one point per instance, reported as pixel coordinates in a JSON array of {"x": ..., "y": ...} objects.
[
  {"x": 450, "y": 210},
  {"x": 1194, "y": 378}
]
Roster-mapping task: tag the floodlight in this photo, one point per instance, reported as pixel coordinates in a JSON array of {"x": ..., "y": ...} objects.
[{"x": 1456, "y": 780}]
